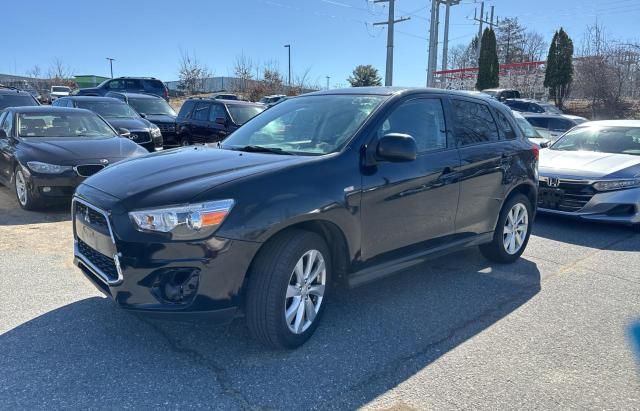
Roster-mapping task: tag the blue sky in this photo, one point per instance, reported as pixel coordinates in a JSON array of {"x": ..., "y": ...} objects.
[{"x": 328, "y": 37}]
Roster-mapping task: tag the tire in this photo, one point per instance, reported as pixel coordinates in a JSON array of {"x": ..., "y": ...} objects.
[
  {"x": 26, "y": 199},
  {"x": 185, "y": 141},
  {"x": 273, "y": 275},
  {"x": 500, "y": 249}
]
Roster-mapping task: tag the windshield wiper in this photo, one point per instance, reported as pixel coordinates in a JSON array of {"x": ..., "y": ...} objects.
[{"x": 263, "y": 149}]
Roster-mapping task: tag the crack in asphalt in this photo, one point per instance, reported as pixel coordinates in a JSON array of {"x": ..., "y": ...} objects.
[{"x": 200, "y": 359}]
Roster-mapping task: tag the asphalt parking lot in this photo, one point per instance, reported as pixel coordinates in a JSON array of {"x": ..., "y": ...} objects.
[{"x": 551, "y": 331}]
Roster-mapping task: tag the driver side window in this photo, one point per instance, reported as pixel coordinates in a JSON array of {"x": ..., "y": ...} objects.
[
  {"x": 7, "y": 123},
  {"x": 422, "y": 119}
]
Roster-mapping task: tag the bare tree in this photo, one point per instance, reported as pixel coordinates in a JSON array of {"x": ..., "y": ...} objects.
[
  {"x": 243, "y": 70},
  {"x": 192, "y": 73},
  {"x": 533, "y": 46},
  {"x": 59, "y": 71},
  {"x": 35, "y": 72}
]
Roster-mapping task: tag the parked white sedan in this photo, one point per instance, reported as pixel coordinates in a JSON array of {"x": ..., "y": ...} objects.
[{"x": 593, "y": 172}]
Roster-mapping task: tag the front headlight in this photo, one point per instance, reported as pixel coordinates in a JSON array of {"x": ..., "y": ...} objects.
[
  {"x": 155, "y": 132},
  {"x": 185, "y": 222},
  {"x": 616, "y": 184},
  {"x": 46, "y": 168}
]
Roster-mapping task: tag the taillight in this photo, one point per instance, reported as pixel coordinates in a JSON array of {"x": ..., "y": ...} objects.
[
  {"x": 166, "y": 93},
  {"x": 536, "y": 151}
]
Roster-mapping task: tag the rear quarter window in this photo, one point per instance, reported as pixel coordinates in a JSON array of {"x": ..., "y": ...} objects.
[
  {"x": 153, "y": 85},
  {"x": 506, "y": 130}
]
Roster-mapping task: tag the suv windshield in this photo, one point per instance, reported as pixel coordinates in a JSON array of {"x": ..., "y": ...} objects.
[
  {"x": 311, "y": 125},
  {"x": 615, "y": 140},
  {"x": 108, "y": 109},
  {"x": 242, "y": 114},
  {"x": 66, "y": 124},
  {"x": 16, "y": 100},
  {"x": 151, "y": 106}
]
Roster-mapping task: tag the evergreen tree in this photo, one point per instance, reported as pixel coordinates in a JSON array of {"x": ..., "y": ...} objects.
[
  {"x": 559, "y": 69},
  {"x": 488, "y": 67},
  {"x": 364, "y": 76}
]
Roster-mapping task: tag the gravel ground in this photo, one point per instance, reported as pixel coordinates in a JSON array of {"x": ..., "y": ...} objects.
[{"x": 551, "y": 331}]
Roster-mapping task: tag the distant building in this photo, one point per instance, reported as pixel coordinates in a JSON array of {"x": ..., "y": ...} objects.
[{"x": 88, "y": 80}]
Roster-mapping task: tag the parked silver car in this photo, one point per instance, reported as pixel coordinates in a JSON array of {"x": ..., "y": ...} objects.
[{"x": 593, "y": 172}]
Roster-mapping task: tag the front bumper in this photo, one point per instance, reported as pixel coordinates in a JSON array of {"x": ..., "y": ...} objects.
[
  {"x": 620, "y": 206},
  {"x": 53, "y": 186},
  {"x": 167, "y": 279}
]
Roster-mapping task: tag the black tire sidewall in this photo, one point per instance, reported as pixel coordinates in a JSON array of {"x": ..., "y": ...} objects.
[
  {"x": 293, "y": 248},
  {"x": 496, "y": 250}
]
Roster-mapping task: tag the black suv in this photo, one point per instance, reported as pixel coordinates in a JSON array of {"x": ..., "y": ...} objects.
[
  {"x": 149, "y": 85},
  {"x": 121, "y": 117},
  {"x": 208, "y": 120},
  {"x": 342, "y": 186},
  {"x": 154, "y": 109},
  {"x": 13, "y": 97}
]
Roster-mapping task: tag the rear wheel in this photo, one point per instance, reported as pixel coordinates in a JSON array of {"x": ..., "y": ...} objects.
[
  {"x": 512, "y": 231},
  {"x": 287, "y": 289}
]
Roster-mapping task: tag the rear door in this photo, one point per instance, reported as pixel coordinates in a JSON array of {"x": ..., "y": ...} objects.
[
  {"x": 218, "y": 121},
  {"x": 406, "y": 203},
  {"x": 200, "y": 122},
  {"x": 484, "y": 158},
  {"x": 7, "y": 148}
]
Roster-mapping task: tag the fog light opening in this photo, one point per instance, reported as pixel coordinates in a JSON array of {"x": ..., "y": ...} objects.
[
  {"x": 177, "y": 286},
  {"x": 46, "y": 189}
]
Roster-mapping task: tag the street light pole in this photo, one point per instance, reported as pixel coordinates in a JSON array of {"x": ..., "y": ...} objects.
[
  {"x": 288, "y": 46},
  {"x": 111, "y": 65}
]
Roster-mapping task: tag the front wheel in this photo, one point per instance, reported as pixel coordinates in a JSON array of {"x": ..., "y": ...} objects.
[
  {"x": 23, "y": 194},
  {"x": 287, "y": 289},
  {"x": 185, "y": 141},
  {"x": 512, "y": 231}
]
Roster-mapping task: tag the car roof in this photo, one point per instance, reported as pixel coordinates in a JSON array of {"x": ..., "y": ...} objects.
[
  {"x": 612, "y": 123},
  {"x": 12, "y": 90},
  {"x": 226, "y": 102},
  {"x": 137, "y": 95},
  {"x": 546, "y": 115},
  {"x": 47, "y": 109},
  {"x": 92, "y": 98}
]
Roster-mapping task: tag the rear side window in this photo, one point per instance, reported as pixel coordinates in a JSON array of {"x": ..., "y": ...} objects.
[
  {"x": 560, "y": 124},
  {"x": 217, "y": 111},
  {"x": 473, "y": 123},
  {"x": 506, "y": 131},
  {"x": 540, "y": 122},
  {"x": 201, "y": 112},
  {"x": 535, "y": 108},
  {"x": 422, "y": 119},
  {"x": 132, "y": 84},
  {"x": 153, "y": 85}
]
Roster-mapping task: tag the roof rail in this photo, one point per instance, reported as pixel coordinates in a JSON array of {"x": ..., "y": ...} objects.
[{"x": 149, "y": 78}]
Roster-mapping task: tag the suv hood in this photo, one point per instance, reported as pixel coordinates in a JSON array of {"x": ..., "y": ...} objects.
[
  {"x": 161, "y": 118},
  {"x": 177, "y": 176},
  {"x": 77, "y": 150},
  {"x": 588, "y": 164},
  {"x": 131, "y": 124}
]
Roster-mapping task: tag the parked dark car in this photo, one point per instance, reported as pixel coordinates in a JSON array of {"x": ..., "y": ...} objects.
[
  {"x": 206, "y": 120},
  {"x": 154, "y": 109},
  {"x": 502, "y": 94},
  {"x": 336, "y": 186},
  {"x": 120, "y": 116},
  {"x": 12, "y": 97},
  {"x": 149, "y": 85},
  {"x": 45, "y": 152}
]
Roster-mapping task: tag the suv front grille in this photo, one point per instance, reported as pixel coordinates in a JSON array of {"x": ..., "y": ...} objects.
[
  {"x": 87, "y": 170},
  {"x": 96, "y": 219},
  {"x": 575, "y": 195},
  {"x": 140, "y": 137},
  {"x": 106, "y": 265},
  {"x": 166, "y": 128}
]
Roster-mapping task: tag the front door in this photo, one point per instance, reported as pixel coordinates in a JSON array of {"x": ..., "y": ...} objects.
[
  {"x": 6, "y": 147},
  {"x": 405, "y": 203}
]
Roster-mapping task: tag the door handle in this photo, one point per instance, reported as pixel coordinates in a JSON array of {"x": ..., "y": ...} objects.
[{"x": 447, "y": 170}]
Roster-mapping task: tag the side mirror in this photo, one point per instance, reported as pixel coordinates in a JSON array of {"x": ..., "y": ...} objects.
[
  {"x": 397, "y": 147},
  {"x": 221, "y": 120},
  {"x": 544, "y": 144},
  {"x": 143, "y": 115},
  {"x": 123, "y": 132}
]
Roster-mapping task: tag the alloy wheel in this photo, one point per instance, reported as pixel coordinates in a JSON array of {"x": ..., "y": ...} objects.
[
  {"x": 515, "y": 228},
  {"x": 21, "y": 188},
  {"x": 305, "y": 291}
]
